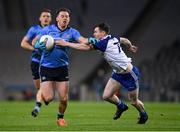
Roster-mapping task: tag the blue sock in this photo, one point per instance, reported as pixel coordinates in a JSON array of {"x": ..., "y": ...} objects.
[
  {"x": 121, "y": 105},
  {"x": 144, "y": 114}
]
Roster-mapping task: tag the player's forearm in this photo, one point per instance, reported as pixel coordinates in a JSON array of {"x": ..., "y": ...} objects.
[
  {"x": 83, "y": 40},
  {"x": 130, "y": 46},
  {"x": 78, "y": 46},
  {"x": 27, "y": 46},
  {"x": 126, "y": 42}
]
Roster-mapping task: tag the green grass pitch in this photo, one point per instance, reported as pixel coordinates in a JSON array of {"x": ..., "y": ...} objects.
[{"x": 88, "y": 116}]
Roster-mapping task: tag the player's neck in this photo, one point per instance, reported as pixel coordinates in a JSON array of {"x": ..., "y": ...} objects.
[
  {"x": 42, "y": 25},
  {"x": 61, "y": 27}
]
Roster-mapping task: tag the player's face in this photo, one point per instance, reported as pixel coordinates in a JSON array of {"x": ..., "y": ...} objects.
[
  {"x": 63, "y": 19},
  {"x": 98, "y": 34},
  {"x": 45, "y": 18}
]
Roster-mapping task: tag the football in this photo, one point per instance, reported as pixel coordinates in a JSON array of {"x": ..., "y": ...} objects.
[{"x": 48, "y": 40}]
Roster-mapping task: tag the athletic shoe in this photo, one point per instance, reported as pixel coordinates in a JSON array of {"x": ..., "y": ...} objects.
[
  {"x": 61, "y": 122},
  {"x": 119, "y": 112},
  {"x": 143, "y": 118},
  {"x": 34, "y": 113}
]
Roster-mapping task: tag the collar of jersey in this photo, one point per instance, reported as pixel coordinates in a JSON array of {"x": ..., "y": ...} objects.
[
  {"x": 41, "y": 25},
  {"x": 68, "y": 27},
  {"x": 105, "y": 37}
]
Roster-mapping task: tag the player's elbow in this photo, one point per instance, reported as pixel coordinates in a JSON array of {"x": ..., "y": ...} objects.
[
  {"x": 124, "y": 40},
  {"x": 105, "y": 97},
  {"x": 22, "y": 44}
]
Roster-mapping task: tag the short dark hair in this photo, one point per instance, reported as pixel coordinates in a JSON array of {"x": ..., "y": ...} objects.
[
  {"x": 63, "y": 9},
  {"x": 45, "y": 10},
  {"x": 104, "y": 27}
]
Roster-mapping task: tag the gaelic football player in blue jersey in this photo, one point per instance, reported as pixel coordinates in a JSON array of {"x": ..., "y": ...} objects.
[
  {"x": 124, "y": 73},
  {"x": 54, "y": 63},
  {"x": 26, "y": 43}
]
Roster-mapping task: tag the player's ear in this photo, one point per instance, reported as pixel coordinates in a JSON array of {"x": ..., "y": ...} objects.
[
  {"x": 39, "y": 18},
  {"x": 104, "y": 33},
  {"x": 56, "y": 18}
]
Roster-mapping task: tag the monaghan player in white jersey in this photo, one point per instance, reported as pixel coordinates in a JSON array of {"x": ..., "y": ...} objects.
[{"x": 124, "y": 73}]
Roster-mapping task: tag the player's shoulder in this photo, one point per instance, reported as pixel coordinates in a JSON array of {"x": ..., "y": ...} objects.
[
  {"x": 106, "y": 39},
  {"x": 47, "y": 28},
  {"x": 35, "y": 26},
  {"x": 33, "y": 29},
  {"x": 115, "y": 37},
  {"x": 72, "y": 29},
  {"x": 109, "y": 38}
]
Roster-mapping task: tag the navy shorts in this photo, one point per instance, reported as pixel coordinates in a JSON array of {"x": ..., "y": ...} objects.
[
  {"x": 35, "y": 70},
  {"x": 54, "y": 74},
  {"x": 128, "y": 80}
]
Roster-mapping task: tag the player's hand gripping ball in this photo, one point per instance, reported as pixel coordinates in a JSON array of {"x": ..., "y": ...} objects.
[
  {"x": 40, "y": 46},
  {"x": 48, "y": 41}
]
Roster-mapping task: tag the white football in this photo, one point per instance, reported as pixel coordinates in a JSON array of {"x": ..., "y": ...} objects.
[{"x": 48, "y": 40}]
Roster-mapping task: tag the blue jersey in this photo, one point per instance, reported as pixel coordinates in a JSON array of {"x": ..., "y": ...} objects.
[
  {"x": 31, "y": 34},
  {"x": 58, "y": 56}
]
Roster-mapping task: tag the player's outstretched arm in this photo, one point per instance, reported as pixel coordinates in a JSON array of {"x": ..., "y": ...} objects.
[
  {"x": 128, "y": 43},
  {"x": 90, "y": 40},
  {"x": 83, "y": 40},
  {"x": 26, "y": 45},
  {"x": 78, "y": 46}
]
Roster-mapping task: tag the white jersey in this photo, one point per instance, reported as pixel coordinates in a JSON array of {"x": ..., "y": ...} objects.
[{"x": 111, "y": 48}]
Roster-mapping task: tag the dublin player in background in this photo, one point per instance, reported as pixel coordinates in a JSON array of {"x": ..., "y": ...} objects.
[{"x": 26, "y": 43}]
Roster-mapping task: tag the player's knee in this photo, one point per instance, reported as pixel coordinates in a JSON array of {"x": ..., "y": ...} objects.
[
  {"x": 134, "y": 103},
  {"x": 64, "y": 99},
  {"x": 48, "y": 98},
  {"x": 105, "y": 97}
]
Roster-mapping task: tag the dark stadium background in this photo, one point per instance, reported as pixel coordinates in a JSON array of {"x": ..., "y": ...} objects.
[{"x": 152, "y": 25}]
